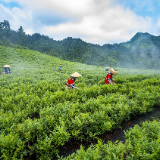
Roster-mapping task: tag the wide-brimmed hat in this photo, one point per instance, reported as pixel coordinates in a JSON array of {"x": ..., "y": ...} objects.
[
  {"x": 6, "y": 66},
  {"x": 113, "y": 71},
  {"x": 76, "y": 74}
]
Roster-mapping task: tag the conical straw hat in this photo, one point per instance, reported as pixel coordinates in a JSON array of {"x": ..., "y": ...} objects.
[
  {"x": 76, "y": 74},
  {"x": 113, "y": 71},
  {"x": 6, "y": 66}
]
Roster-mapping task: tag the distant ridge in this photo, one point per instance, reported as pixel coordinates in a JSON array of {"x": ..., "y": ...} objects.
[{"x": 143, "y": 49}]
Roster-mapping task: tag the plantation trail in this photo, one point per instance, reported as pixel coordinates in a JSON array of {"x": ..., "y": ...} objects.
[{"x": 117, "y": 134}]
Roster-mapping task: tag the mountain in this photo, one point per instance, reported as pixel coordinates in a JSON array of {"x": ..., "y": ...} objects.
[
  {"x": 142, "y": 51},
  {"x": 145, "y": 47},
  {"x": 143, "y": 40}
]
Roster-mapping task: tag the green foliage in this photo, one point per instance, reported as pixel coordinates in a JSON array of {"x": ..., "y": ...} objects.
[
  {"x": 142, "y": 51},
  {"x": 38, "y": 115},
  {"x": 21, "y": 36},
  {"x": 141, "y": 143}
]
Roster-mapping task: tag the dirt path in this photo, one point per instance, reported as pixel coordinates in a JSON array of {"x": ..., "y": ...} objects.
[{"x": 118, "y": 134}]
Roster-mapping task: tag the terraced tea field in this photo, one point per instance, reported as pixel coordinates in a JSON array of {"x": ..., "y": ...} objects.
[{"x": 38, "y": 116}]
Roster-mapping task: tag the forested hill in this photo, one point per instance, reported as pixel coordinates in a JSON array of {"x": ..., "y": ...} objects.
[
  {"x": 144, "y": 44},
  {"x": 143, "y": 50}
]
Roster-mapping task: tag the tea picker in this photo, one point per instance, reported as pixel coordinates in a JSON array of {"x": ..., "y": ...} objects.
[
  {"x": 7, "y": 69},
  {"x": 108, "y": 79},
  {"x": 71, "y": 81},
  {"x": 60, "y": 68}
]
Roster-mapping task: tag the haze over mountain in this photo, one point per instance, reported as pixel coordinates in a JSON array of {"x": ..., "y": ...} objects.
[{"x": 142, "y": 50}]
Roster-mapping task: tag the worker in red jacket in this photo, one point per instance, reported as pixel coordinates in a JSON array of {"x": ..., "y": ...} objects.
[
  {"x": 70, "y": 83},
  {"x": 108, "y": 79}
]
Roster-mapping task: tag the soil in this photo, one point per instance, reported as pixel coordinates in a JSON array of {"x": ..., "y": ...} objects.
[{"x": 118, "y": 134}]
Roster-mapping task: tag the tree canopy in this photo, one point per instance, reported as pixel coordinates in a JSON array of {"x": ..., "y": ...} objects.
[{"x": 143, "y": 50}]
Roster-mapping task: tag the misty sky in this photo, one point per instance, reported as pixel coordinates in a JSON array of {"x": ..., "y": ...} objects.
[{"x": 93, "y": 21}]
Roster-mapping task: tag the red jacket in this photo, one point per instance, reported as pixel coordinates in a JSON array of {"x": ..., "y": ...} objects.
[
  {"x": 70, "y": 82},
  {"x": 108, "y": 78}
]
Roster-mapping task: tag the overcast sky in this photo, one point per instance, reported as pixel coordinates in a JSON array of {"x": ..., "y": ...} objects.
[{"x": 94, "y": 21}]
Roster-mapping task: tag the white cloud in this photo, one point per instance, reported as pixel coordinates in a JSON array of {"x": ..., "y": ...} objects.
[
  {"x": 156, "y": 30},
  {"x": 94, "y": 21},
  {"x": 5, "y": 12},
  {"x": 15, "y": 16},
  {"x": 109, "y": 25}
]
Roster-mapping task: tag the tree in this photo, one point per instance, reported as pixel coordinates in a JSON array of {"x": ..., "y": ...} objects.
[
  {"x": 21, "y": 36},
  {"x": 5, "y": 25},
  {"x": 5, "y": 32}
]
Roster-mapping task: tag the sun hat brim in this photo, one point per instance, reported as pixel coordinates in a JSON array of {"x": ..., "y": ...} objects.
[
  {"x": 76, "y": 74},
  {"x": 113, "y": 71}
]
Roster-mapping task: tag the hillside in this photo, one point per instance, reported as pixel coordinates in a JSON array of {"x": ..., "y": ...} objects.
[
  {"x": 145, "y": 46},
  {"x": 35, "y": 65},
  {"x": 142, "y": 51},
  {"x": 38, "y": 115}
]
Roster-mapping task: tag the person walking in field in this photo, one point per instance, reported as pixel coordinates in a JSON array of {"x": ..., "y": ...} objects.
[{"x": 108, "y": 79}]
